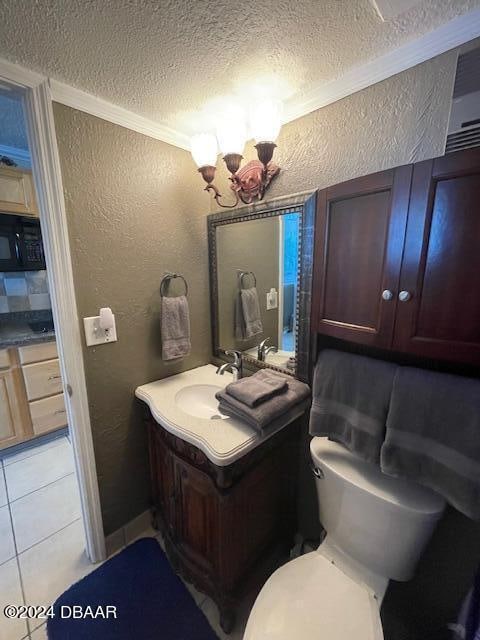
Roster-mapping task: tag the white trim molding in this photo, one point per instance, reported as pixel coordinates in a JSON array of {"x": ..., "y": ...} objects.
[
  {"x": 37, "y": 102},
  {"x": 100, "y": 108},
  {"x": 450, "y": 35},
  {"x": 20, "y": 156}
]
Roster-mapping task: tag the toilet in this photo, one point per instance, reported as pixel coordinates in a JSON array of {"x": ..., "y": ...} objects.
[{"x": 376, "y": 529}]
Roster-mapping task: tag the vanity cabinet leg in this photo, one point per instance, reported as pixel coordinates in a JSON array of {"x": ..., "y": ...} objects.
[{"x": 227, "y": 619}]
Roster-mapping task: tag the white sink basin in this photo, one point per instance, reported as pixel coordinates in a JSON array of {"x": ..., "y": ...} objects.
[{"x": 199, "y": 400}]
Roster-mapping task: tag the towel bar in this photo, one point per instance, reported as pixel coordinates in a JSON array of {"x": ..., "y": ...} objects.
[{"x": 166, "y": 280}]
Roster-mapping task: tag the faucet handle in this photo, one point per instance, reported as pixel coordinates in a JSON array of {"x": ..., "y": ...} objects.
[{"x": 237, "y": 356}]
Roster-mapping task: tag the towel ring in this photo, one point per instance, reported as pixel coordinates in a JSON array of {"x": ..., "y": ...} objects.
[
  {"x": 248, "y": 273},
  {"x": 166, "y": 281}
]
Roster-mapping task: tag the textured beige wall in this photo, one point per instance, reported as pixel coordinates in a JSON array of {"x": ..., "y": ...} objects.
[
  {"x": 400, "y": 120},
  {"x": 133, "y": 213}
]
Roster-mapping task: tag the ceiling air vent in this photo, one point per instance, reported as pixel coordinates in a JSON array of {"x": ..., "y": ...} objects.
[{"x": 464, "y": 127}]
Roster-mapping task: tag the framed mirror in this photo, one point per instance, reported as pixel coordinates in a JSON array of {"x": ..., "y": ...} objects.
[{"x": 260, "y": 260}]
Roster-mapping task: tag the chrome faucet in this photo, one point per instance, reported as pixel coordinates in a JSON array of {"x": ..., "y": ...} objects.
[
  {"x": 263, "y": 350},
  {"x": 236, "y": 367}
]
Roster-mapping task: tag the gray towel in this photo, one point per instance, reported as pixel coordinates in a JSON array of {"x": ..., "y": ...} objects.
[
  {"x": 175, "y": 328},
  {"x": 260, "y": 416},
  {"x": 258, "y": 388},
  {"x": 251, "y": 312},
  {"x": 282, "y": 420},
  {"x": 351, "y": 395},
  {"x": 239, "y": 321},
  {"x": 433, "y": 435}
]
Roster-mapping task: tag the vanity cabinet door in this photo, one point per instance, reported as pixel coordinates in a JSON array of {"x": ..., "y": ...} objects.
[
  {"x": 439, "y": 316},
  {"x": 359, "y": 237},
  {"x": 163, "y": 481},
  {"x": 197, "y": 524}
]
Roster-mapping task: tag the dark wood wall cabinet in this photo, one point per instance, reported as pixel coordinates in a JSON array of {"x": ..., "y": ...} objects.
[
  {"x": 397, "y": 259},
  {"x": 225, "y": 528}
]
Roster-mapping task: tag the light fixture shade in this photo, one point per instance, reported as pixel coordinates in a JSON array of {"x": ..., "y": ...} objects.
[
  {"x": 266, "y": 120},
  {"x": 204, "y": 149},
  {"x": 232, "y": 130}
]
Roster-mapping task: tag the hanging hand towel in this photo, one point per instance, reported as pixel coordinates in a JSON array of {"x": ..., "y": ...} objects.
[
  {"x": 175, "y": 328},
  {"x": 433, "y": 429},
  {"x": 351, "y": 395},
  {"x": 251, "y": 312}
]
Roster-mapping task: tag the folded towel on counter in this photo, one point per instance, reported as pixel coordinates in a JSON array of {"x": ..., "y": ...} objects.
[
  {"x": 175, "y": 328},
  {"x": 258, "y": 388},
  {"x": 351, "y": 395},
  {"x": 282, "y": 420},
  {"x": 262, "y": 415},
  {"x": 433, "y": 435},
  {"x": 251, "y": 312}
]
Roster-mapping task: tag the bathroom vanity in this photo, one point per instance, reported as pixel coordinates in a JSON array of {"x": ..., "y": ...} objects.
[{"x": 224, "y": 495}]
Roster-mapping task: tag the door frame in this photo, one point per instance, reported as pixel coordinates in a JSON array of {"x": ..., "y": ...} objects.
[{"x": 34, "y": 89}]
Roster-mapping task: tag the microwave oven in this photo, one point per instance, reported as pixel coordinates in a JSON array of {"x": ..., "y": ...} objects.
[{"x": 21, "y": 247}]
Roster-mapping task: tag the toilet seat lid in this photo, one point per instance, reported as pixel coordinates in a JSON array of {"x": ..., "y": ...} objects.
[{"x": 311, "y": 598}]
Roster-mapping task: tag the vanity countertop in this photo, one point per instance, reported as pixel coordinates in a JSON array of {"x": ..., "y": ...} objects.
[{"x": 221, "y": 438}]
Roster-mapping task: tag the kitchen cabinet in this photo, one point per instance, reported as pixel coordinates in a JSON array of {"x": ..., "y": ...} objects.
[
  {"x": 14, "y": 421},
  {"x": 31, "y": 395},
  {"x": 43, "y": 386},
  {"x": 396, "y": 259},
  {"x": 17, "y": 192},
  {"x": 225, "y": 528}
]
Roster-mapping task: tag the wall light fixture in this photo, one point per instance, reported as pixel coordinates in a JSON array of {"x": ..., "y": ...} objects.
[{"x": 249, "y": 182}]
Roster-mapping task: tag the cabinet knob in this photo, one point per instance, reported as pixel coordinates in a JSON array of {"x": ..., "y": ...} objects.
[
  {"x": 404, "y": 296},
  {"x": 387, "y": 295}
]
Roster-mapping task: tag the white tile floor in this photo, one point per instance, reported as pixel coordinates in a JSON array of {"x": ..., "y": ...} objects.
[
  {"x": 41, "y": 538},
  {"x": 41, "y": 532}
]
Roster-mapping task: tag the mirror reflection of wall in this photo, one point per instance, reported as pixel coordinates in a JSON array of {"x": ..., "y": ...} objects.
[{"x": 265, "y": 251}]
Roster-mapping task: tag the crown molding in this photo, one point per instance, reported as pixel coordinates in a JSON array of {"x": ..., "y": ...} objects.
[
  {"x": 100, "y": 108},
  {"x": 20, "y": 156},
  {"x": 450, "y": 35}
]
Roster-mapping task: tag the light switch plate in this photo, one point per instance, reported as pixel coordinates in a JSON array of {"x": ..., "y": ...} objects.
[{"x": 94, "y": 334}]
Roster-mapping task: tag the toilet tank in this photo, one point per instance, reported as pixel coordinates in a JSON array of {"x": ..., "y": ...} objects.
[{"x": 380, "y": 521}]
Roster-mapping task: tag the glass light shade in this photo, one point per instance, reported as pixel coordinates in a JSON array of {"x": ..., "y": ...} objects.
[
  {"x": 232, "y": 131},
  {"x": 265, "y": 120},
  {"x": 204, "y": 149}
]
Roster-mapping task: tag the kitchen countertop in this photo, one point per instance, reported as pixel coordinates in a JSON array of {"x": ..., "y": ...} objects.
[
  {"x": 18, "y": 334},
  {"x": 222, "y": 439}
]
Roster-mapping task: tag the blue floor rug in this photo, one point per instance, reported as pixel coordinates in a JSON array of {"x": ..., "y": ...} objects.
[{"x": 151, "y": 601}]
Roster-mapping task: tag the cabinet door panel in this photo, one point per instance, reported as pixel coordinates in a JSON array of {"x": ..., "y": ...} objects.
[
  {"x": 197, "y": 528},
  {"x": 359, "y": 241},
  {"x": 12, "y": 427},
  {"x": 163, "y": 483},
  {"x": 441, "y": 269}
]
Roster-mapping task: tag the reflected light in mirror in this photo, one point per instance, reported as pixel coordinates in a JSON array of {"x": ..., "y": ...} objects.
[{"x": 204, "y": 149}]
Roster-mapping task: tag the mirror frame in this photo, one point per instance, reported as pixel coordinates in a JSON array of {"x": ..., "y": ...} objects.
[{"x": 305, "y": 204}]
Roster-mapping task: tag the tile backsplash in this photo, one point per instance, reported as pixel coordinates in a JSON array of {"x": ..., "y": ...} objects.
[{"x": 24, "y": 291}]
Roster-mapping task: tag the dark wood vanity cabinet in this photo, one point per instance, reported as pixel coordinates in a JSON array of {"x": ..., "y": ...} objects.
[
  {"x": 397, "y": 259},
  {"x": 225, "y": 528}
]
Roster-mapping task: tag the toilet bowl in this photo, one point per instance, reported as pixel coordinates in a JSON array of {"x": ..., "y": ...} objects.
[{"x": 376, "y": 529}]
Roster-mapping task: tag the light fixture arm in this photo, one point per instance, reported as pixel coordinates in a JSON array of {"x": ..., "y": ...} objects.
[{"x": 217, "y": 196}]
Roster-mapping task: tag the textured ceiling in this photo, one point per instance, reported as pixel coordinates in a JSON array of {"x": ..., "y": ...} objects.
[{"x": 166, "y": 60}]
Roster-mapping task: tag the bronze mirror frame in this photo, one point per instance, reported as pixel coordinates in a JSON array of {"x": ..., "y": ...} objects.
[{"x": 305, "y": 204}]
